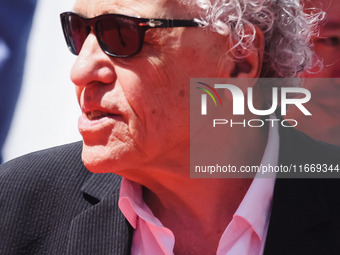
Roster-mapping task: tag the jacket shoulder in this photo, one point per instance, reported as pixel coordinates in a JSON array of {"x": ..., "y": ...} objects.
[
  {"x": 55, "y": 170},
  {"x": 39, "y": 195},
  {"x": 48, "y": 163}
]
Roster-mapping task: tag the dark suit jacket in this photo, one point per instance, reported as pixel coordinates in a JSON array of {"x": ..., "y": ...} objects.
[{"x": 51, "y": 204}]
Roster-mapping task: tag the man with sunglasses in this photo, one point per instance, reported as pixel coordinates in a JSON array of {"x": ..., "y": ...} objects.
[{"x": 135, "y": 60}]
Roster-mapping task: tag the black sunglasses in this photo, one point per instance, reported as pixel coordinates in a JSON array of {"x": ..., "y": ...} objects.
[{"x": 118, "y": 35}]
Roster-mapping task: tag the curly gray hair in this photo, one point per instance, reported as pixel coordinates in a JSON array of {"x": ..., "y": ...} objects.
[{"x": 286, "y": 26}]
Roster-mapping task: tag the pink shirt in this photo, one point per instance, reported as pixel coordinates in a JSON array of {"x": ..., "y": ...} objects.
[{"x": 245, "y": 234}]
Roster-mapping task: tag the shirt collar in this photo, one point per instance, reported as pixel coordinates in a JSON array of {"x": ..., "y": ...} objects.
[
  {"x": 132, "y": 205},
  {"x": 255, "y": 207}
]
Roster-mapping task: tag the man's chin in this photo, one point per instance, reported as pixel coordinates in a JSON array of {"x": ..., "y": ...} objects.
[
  {"x": 96, "y": 160},
  {"x": 101, "y": 159}
]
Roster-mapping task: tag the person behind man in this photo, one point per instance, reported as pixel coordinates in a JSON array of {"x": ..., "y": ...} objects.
[
  {"x": 132, "y": 80},
  {"x": 325, "y": 104}
]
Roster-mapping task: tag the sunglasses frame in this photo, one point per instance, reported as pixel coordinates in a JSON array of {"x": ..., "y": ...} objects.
[{"x": 143, "y": 24}]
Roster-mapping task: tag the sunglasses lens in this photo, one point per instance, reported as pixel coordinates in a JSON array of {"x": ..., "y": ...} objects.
[
  {"x": 76, "y": 33},
  {"x": 119, "y": 36}
]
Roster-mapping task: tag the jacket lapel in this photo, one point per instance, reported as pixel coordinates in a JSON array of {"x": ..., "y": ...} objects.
[
  {"x": 298, "y": 204},
  {"x": 102, "y": 228},
  {"x": 297, "y": 211}
]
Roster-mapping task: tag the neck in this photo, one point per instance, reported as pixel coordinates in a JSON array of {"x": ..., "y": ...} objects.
[{"x": 205, "y": 206}]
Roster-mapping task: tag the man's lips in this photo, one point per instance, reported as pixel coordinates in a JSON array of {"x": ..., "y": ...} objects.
[
  {"x": 96, "y": 118},
  {"x": 94, "y": 111},
  {"x": 98, "y": 114}
]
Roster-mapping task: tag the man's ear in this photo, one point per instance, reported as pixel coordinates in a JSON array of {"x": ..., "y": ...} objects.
[{"x": 249, "y": 65}]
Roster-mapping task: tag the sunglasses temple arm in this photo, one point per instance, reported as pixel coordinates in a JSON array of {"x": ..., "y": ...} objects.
[
  {"x": 164, "y": 23},
  {"x": 182, "y": 23}
]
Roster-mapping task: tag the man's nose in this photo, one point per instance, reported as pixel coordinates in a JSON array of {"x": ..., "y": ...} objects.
[{"x": 92, "y": 65}]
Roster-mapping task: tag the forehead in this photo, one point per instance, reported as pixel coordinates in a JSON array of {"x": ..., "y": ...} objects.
[{"x": 142, "y": 8}]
